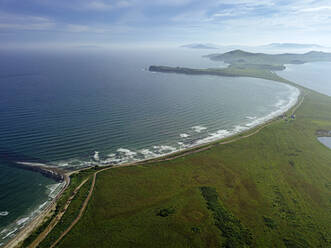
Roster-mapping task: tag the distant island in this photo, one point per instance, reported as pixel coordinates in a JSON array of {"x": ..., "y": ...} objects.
[
  {"x": 246, "y": 64},
  {"x": 239, "y": 57},
  {"x": 293, "y": 46},
  {"x": 267, "y": 186},
  {"x": 200, "y": 46}
]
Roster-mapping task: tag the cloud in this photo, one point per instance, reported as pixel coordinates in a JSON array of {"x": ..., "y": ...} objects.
[
  {"x": 171, "y": 2},
  {"x": 316, "y": 9},
  {"x": 24, "y": 22},
  {"x": 74, "y": 28},
  {"x": 98, "y": 5},
  {"x": 172, "y": 19}
]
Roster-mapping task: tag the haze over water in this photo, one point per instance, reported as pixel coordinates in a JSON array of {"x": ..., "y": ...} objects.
[{"x": 80, "y": 108}]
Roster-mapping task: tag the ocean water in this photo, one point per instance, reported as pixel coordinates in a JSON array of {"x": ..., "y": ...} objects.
[
  {"x": 79, "y": 108},
  {"x": 326, "y": 141},
  {"x": 315, "y": 76}
]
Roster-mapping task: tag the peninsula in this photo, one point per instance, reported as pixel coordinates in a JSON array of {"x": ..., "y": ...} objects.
[
  {"x": 269, "y": 185},
  {"x": 246, "y": 64}
]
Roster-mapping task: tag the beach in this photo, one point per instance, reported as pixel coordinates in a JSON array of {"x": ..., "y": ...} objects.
[{"x": 38, "y": 220}]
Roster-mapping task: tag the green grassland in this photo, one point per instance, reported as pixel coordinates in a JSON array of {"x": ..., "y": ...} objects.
[
  {"x": 230, "y": 71},
  {"x": 272, "y": 189},
  {"x": 275, "y": 184},
  {"x": 75, "y": 180},
  {"x": 68, "y": 216}
]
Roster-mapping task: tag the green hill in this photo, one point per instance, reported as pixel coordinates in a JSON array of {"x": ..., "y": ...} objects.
[{"x": 242, "y": 57}]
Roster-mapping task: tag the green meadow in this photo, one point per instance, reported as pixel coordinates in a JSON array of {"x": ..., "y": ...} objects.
[{"x": 272, "y": 189}]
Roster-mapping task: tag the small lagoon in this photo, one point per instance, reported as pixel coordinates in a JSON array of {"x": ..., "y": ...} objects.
[{"x": 326, "y": 141}]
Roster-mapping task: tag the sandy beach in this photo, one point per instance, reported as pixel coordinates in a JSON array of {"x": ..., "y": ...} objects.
[{"x": 38, "y": 220}]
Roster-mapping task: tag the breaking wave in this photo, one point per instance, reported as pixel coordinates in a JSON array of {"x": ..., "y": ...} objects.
[
  {"x": 199, "y": 129},
  {"x": 194, "y": 136},
  {"x": 4, "y": 213},
  {"x": 11, "y": 230}
]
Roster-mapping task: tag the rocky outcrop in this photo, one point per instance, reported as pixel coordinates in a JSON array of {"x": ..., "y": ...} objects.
[{"x": 50, "y": 172}]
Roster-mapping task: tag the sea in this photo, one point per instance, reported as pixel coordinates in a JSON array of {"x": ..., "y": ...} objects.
[
  {"x": 316, "y": 76},
  {"x": 81, "y": 107}
]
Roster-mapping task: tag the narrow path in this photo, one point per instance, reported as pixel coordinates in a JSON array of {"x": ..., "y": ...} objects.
[
  {"x": 295, "y": 108},
  {"x": 35, "y": 223},
  {"x": 81, "y": 212},
  {"x": 263, "y": 126},
  {"x": 57, "y": 218}
]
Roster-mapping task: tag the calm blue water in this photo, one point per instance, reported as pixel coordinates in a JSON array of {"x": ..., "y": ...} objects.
[
  {"x": 326, "y": 141},
  {"x": 316, "y": 76},
  {"x": 80, "y": 108}
]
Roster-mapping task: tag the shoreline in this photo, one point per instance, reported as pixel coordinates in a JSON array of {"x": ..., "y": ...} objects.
[
  {"x": 38, "y": 219},
  {"x": 50, "y": 171}
]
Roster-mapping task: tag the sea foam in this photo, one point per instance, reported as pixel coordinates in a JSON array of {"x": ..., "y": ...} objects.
[
  {"x": 10, "y": 233},
  {"x": 184, "y": 135},
  {"x": 96, "y": 156},
  {"x": 22, "y": 221},
  {"x": 4, "y": 213},
  {"x": 199, "y": 129}
]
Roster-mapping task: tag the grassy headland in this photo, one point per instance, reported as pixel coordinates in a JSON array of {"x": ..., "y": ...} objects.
[
  {"x": 231, "y": 71},
  {"x": 271, "y": 189},
  {"x": 277, "y": 183},
  {"x": 242, "y": 57}
]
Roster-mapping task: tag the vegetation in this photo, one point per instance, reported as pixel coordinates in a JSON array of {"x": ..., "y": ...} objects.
[
  {"x": 242, "y": 57},
  {"x": 276, "y": 183},
  {"x": 68, "y": 217},
  {"x": 236, "y": 235},
  {"x": 282, "y": 205},
  {"x": 166, "y": 212},
  {"x": 269, "y": 222},
  {"x": 75, "y": 180},
  {"x": 38, "y": 231},
  {"x": 231, "y": 71}
]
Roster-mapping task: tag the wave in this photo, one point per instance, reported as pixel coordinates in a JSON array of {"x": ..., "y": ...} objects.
[
  {"x": 190, "y": 138},
  {"x": 54, "y": 189},
  {"x": 127, "y": 152},
  {"x": 9, "y": 233},
  {"x": 147, "y": 153},
  {"x": 96, "y": 156},
  {"x": 4, "y": 213},
  {"x": 214, "y": 136},
  {"x": 22, "y": 221},
  {"x": 199, "y": 129},
  {"x": 280, "y": 103},
  {"x": 34, "y": 164},
  {"x": 195, "y": 135},
  {"x": 164, "y": 149},
  {"x": 184, "y": 135},
  {"x": 282, "y": 106}
]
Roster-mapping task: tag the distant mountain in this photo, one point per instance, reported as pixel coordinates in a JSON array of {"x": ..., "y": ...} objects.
[
  {"x": 292, "y": 46},
  {"x": 241, "y": 57},
  {"x": 200, "y": 46}
]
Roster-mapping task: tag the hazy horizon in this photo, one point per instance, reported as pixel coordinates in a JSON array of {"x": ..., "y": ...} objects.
[{"x": 126, "y": 23}]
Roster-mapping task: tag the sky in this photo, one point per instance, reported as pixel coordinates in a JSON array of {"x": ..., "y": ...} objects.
[{"x": 160, "y": 22}]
